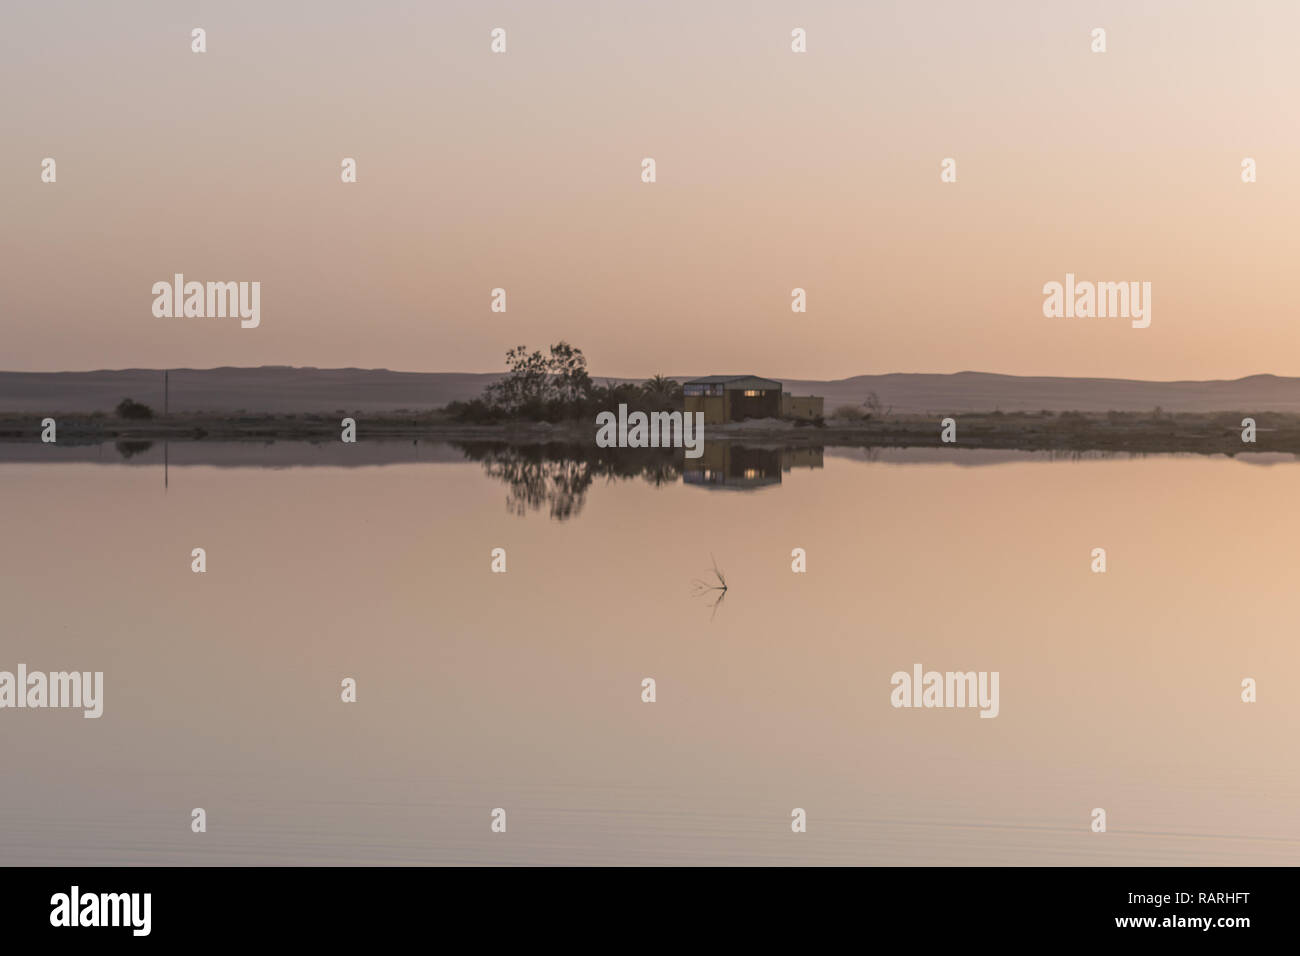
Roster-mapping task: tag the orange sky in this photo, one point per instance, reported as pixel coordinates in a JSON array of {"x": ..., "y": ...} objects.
[{"x": 775, "y": 170}]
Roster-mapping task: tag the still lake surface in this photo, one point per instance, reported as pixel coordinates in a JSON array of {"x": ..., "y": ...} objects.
[{"x": 523, "y": 690}]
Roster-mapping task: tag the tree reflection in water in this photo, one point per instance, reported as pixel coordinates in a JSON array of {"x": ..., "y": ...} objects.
[{"x": 556, "y": 475}]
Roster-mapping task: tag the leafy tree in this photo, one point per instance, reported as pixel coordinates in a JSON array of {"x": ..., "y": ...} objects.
[
  {"x": 557, "y": 386},
  {"x": 542, "y": 386},
  {"x": 568, "y": 369}
]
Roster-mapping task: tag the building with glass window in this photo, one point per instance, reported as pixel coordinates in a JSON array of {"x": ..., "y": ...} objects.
[{"x": 733, "y": 398}]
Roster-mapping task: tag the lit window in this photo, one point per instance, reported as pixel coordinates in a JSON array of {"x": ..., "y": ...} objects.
[{"x": 752, "y": 393}]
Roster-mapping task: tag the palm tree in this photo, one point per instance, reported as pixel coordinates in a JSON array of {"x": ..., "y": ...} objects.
[{"x": 661, "y": 390}]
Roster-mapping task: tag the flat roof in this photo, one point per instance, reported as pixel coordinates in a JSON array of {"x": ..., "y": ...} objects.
[{"x": 737, "y": 381}]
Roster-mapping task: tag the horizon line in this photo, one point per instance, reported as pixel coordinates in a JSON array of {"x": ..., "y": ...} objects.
[{"x": 597, "y": 378}]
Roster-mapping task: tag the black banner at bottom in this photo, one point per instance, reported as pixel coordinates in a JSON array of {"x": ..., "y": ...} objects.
[{"x": 622, "y": 906}]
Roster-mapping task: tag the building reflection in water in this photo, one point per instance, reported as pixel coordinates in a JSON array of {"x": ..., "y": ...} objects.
[{"x": 745, "y": 468}]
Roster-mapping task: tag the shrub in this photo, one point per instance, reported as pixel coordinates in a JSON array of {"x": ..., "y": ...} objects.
[
  {"x": 130, "y": 408},
  {"x": 475, "y": 412}
]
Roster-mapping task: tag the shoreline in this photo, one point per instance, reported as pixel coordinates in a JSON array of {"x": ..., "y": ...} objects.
[{"x": 1208, "y": 433}]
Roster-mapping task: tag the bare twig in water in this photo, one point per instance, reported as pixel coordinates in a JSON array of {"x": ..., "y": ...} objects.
[
  {"x": 704, "y": 587},
  {"x": 701, "y": 586}
]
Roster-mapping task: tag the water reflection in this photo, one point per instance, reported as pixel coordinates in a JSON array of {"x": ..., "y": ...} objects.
[
  {"x": 743, "y": 468},
  {"x": 1120, "y": 690},
  {"x": 129, "y": 448},
  {"x": 557, "y": 475}
]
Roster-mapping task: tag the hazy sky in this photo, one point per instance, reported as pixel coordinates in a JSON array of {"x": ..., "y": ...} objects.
[{"x": 775, "y": 170}]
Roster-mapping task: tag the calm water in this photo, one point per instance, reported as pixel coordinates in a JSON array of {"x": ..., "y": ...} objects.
[{"x": 522, "y": 690}]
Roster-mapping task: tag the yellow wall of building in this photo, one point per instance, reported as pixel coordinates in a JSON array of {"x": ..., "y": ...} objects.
[{"x": 713, "y": 406}]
